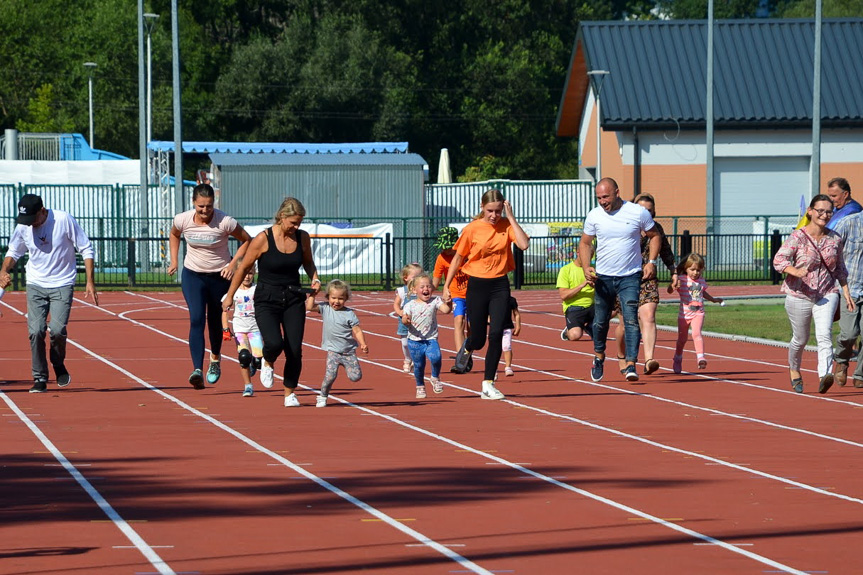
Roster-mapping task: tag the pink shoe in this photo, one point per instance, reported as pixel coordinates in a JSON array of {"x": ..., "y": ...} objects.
[{"x": 677, "y": 364}]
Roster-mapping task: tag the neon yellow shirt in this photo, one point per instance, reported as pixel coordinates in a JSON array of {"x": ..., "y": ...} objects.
[{"x": 570, "y": 276}]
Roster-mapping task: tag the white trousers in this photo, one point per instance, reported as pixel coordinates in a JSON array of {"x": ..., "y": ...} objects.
[{"x": 801, "y": 312}]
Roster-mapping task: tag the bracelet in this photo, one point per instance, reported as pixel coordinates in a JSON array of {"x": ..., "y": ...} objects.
[{"x": 316, "y": 280}]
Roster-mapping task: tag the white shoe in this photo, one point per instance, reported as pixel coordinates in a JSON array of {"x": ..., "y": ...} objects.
[
  {"x": 508, "y": 372},
  {"x": 489, "y": 391},
  {"x": 267, "y": 375},
  {"x": 292, "y": 401},
  {"x": 321, "y": 401},
  {"x": 437, "y": 386},
  {"x": 421, "y": 392}
]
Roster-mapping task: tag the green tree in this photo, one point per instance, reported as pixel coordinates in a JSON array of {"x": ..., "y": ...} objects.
[
  {"x": 44, "y": 114},
  {"x": 829, "y": 9}
]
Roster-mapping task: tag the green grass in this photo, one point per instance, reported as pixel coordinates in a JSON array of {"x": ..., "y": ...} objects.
[{"x": 768, "y": 321}]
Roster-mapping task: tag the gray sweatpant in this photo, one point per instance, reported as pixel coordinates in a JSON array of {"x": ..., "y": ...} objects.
[{"x": 48, "y": 309}]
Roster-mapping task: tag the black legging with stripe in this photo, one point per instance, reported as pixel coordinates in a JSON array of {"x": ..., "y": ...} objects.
[{"x": 488, "y": 304}]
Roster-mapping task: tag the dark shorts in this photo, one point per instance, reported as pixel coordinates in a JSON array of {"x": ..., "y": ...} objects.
[
  {"x": 647, "y": 293},
  {"x": 577, "y": 316}
]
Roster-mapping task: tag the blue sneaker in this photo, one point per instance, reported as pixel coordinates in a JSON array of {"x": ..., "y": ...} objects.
[
  {"x": 214, "y": 372},
  {"x": 248, "y": 391},
  {"x": 630, "y": 373},
  {"x": 596, "y": 370}
]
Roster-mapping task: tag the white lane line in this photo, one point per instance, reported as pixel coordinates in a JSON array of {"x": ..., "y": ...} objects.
[
  {"x": 524, "y": 470},
  {"x": 296, "y": 467},
  {"x": 617, "y": 433},
  {"x": 121, "y": 524}
]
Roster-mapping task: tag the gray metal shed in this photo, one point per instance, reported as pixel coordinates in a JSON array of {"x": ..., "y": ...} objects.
[{"x": 336, "y": 186}]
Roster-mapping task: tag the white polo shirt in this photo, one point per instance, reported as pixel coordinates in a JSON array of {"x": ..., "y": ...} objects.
[
  {"x": 52, "y": 248},
  {"x": 618, "y": 238}
]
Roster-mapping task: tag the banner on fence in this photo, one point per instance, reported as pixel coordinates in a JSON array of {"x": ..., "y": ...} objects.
[{"x": 343, "y": 251}]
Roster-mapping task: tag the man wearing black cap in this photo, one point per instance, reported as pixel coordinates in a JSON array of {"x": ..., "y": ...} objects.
[{"x": 51, "y": 238}]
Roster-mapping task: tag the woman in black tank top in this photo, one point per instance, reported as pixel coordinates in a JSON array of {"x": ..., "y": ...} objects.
[{"x": 279, "y": 300}]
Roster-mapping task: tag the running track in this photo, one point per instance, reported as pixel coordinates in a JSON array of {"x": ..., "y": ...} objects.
[{"x": 130, "y": 470}]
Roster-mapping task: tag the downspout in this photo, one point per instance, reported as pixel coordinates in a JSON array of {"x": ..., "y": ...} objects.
[{"x": 636, "y": 164}]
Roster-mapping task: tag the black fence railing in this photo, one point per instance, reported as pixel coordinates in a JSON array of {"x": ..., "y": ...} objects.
[{"x": 375, "y": 262}]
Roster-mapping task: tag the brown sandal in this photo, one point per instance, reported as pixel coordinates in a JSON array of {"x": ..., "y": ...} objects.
[{"x": 650, "y": 366}]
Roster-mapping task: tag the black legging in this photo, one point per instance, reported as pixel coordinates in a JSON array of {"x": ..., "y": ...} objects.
[
  {"x": 282, "y": 325},
  {"x": 487, "y": 304}
]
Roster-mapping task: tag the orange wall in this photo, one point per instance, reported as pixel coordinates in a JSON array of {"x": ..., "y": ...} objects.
[{"x": 851, "y": 172}]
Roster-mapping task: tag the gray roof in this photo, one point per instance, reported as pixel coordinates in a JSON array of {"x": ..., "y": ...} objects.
[
  {"x": 318, "y": 160},
  {"x": 279, "y": 148},
  {"x": 762, "y": 72}
]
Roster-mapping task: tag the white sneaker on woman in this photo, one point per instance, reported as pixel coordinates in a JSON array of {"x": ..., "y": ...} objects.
[
  {"x": 489, "y": 391},
  {"x": 266, "y": 375},
  {"x": 292, "y": 401}
]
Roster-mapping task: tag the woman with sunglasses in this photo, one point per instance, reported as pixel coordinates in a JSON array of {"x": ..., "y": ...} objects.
[{"x": 811, "y": 259}]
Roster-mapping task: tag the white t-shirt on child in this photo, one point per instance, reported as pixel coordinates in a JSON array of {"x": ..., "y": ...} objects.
[
  {"x": 423, "y": 318},
  {"x": 244, "y": 310}
]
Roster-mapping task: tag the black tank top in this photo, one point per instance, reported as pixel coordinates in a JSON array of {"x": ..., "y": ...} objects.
[{"x": 280, "y": 270}]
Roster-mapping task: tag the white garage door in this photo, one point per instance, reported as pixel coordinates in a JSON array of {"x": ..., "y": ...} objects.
[
  {"x": 754, "y": 187},
  {"x": 760, "y": 186}
]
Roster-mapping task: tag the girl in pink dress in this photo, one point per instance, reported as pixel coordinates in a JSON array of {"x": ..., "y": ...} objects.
[{"x": 693, "y": 291}]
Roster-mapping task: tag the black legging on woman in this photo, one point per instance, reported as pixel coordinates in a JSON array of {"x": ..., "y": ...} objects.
[
  {"x": 281, "y": 318},
  {"x": 280, "y": 308},
  {"x": 487, "y": 303}
]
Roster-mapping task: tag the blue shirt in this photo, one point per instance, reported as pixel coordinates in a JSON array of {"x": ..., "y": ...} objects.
[
  {"x": 852, "y": 207},
  {"x": 850, "y": 229}
]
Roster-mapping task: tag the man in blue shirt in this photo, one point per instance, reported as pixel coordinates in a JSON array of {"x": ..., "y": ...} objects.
[
  {"x": 850, "y": 229},
  {"x": 839, "y": 191}
]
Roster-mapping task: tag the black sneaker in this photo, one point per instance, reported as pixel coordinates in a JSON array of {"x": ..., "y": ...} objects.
[
  {"x": 463, "y": 360},
  {"x": 596, "y": 370},
  {"x": 630, "y": 373},
  {"x": 39, "y": 386},
  {"x": 563, "y": 335},
  {"x": 63, "y": 377}
]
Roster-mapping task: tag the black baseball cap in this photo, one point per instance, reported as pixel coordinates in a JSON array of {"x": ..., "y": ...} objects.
[{"x": 29, "y": 207}]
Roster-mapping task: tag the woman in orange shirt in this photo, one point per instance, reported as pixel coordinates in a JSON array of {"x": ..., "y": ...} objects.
[{"x": 486, "y": 244}]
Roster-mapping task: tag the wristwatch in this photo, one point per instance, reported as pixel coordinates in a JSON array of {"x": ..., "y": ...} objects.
[{"x": 651, "y": 262}]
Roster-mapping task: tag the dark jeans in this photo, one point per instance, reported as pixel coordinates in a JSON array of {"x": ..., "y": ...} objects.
[
  {"x": 487, "y": 304},
  {"x": 609, "y": 288},
  {"x": 203, "y": 293},
  {"x": 281, "y": 318}
]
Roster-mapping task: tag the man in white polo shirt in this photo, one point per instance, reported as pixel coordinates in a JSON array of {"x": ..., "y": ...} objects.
[
  {"x": 51, "y": 238},
  {"x": 617, "y": 226}
]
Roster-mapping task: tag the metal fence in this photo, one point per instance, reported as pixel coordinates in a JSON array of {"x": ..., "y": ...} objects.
[{"x": 730, "y": 258}]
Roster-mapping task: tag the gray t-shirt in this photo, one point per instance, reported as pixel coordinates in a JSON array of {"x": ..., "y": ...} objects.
[{"x": 337, "y": 334}]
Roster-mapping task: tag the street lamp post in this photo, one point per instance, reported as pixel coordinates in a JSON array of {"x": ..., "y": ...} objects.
[
  {"x": 90, "y": 67},
  {"x": 598, "y": 77},
  {"x": 150, "y": 24}
]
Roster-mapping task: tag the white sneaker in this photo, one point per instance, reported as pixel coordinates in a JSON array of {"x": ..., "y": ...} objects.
[
  {"x": 489, "y": 391},
  {"x": 321, "y": 401},
  {"x": 508, "y": 372},
  {"x": 408, "y": 366},
  {"x": 437, "y": 386},
  {"x": 267, "y": 375},
  {"x": 292, "y": 401},
  {"x": 249, "y": 391},
  {"x": 421, "y": 392}
]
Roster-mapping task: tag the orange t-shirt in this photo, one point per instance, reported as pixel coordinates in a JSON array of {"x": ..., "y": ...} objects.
[
  {"x": 458, "y": 286},
  {"x": 487, "y": 248}
]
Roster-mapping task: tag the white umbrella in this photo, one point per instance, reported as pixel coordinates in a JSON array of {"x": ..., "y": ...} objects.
[{"x": 444, "y": 175}]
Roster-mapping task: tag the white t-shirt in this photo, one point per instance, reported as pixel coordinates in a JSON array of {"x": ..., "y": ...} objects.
[
  {"x": 618, "y": 238},
  {"x": 244, "y": 310},
  {"x": 423, "y": 318},
  {"x": 52, "y": 248},
  {"x": 206, "y": 245}
]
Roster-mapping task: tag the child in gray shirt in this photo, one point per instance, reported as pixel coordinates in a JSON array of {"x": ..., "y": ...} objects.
[{"x": 340, "y": 336}]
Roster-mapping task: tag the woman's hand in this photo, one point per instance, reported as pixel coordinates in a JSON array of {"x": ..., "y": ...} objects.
[
  {"x": 227, "y": 272},
  {"x": 507, "y": 210},
  {"x": 316, "y": 285},
  {"x": 172, "y": 269},
  {"x": 795, "y": 272}
]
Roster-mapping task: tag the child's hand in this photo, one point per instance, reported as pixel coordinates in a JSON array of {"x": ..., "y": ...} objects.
[
  {"x": 226, "y": 334},
  {"x": 406, "y": 319},
  {"x": 670, "y": 288},
  {"x": 365, "y": 349}
]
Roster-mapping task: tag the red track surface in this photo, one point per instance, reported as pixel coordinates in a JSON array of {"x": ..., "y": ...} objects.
[{"x": 721, "y": 471}]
